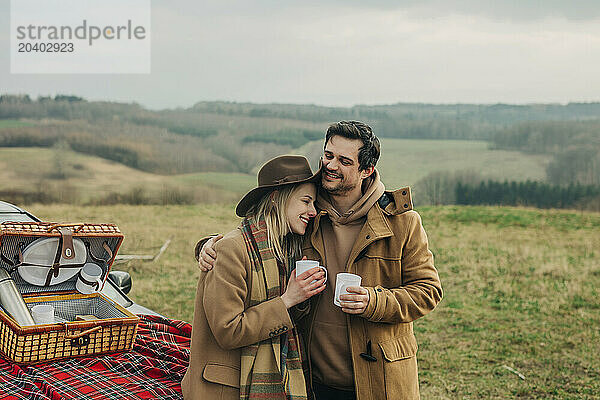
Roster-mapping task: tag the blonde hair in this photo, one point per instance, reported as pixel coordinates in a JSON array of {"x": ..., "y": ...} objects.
[{"x": 272, "y": 207}]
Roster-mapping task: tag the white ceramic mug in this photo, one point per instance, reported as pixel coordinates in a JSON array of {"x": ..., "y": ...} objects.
[
  {"x": 343, "y": 281},
  {"x": 304, "y": 265},
  {"x": 89, "y": 279},
  {"x": 43, "y": 314}
]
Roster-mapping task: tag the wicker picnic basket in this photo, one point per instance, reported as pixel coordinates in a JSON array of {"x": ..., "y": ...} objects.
[{"x": 111, "y": 329}]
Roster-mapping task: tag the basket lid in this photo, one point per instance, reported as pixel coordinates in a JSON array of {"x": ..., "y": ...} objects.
[
  {"x": 38, "y": 258},
  {"x": 34, "y": 247}
]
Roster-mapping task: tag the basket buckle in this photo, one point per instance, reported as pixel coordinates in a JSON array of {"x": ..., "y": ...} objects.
[{"x": 80, "y": 341}]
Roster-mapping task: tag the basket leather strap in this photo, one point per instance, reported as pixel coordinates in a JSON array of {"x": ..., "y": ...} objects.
[
  {"x": 68, "y": 251},
  {"x": 108, "y": 250},
  {"x": 14, "y": 265},
  {"x": 47, "y": 266},
  {"x": 94, "y": 284},
  {"x": 7, "y": 261},
  {"x": 99, "y": 260},
  {"x": 56, "y": 264}
]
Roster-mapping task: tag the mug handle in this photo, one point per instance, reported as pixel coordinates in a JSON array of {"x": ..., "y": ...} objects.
[
  {"x": 324, "y": 270},
  {"x": 99, "y": 284}
]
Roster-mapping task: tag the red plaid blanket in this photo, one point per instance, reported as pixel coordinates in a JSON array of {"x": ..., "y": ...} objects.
[{"x": 152, "y": 370}]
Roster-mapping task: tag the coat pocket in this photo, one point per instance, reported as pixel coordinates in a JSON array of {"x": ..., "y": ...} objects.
[
  {"x": 399, "y": 348},
  {"x": 400, "y": 367},
  {"x": 222, "y": 374}
]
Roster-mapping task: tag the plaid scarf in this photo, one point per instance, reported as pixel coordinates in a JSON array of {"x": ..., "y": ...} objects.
[{"x": 270, "y": 369}]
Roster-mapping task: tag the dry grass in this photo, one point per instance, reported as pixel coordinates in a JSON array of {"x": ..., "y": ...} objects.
[
  {"x": 405, "y": 161},
  {"x": 88, "y": 179},
  {"x": 521, "y": 289},
  {"x": 22, "y": 168}
]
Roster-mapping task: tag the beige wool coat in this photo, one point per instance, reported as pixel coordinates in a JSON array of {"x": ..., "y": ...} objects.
[
  {"x": 392, "y": 256},
  {"x": 223, "y": 324}
]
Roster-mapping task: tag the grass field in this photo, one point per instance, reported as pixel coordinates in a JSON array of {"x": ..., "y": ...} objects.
[
  {"x": 12, "y": 123},
  {"x": 521, "y": 290},
  {"x": 227, "y": 181},
  {"x": 405, "y": 161}
]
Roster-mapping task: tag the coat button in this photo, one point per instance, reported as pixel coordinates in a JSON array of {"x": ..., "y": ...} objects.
[
  {"x": 379, "y": 290},
  {"x": 404, "y": 193},
  {"x": 406, "y": 206},
  {"x": 368, "y": 237},
  {"x": 368, "y": 357}
]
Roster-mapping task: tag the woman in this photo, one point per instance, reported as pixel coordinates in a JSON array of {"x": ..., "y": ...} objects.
[{"x": 244, "y": 344}]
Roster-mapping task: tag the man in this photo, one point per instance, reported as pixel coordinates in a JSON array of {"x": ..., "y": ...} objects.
[{"x": 366, "y": 349}]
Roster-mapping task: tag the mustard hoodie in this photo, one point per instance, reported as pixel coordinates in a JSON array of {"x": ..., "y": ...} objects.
[{"x": 330, "y": 349}]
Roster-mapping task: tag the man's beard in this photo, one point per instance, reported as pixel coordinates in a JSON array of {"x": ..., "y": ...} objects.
[{"x": 341, "y": 187}]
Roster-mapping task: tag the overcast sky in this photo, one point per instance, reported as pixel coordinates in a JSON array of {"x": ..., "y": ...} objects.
[{"x": 346, "y": 52}]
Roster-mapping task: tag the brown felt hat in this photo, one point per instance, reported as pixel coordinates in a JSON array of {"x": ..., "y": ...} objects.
[{"x": 280, "y": 171}]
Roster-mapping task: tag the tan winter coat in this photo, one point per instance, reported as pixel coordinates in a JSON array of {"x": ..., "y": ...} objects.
[
  {"x": 392, "y": 256},
  {"x": 223, "y": 324}
]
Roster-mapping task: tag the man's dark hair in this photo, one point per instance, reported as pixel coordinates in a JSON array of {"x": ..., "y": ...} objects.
[{"x": 368, "y": 154}]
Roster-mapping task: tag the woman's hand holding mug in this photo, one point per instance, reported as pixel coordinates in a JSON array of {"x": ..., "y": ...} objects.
[{"x": 304, "y": 286}]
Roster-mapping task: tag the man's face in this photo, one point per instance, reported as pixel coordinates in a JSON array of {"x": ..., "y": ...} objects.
[{"x": 340, "y": 166}]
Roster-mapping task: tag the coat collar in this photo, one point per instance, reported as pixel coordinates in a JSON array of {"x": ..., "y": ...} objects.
[
  {"x": 397, "y": 201},
  {"x": 376, "y": 226}
]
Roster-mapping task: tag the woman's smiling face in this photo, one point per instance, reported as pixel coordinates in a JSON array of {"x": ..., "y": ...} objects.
[{"x": 301, "y": 207}]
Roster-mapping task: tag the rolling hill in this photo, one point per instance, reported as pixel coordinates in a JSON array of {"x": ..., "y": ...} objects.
[
  {"x": 67, "y": 149},
  {"x": 80, "y": 178}
]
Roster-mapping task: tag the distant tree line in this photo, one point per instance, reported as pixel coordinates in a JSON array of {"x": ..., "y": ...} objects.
[
  {"x": 574, "y": 145},
  {"x": 192, "y": 130},
  {"x": 64, "y": 107},
  {"x": 76, "y": 108},
  {"x": 85, "y": 143},
  {"x": 180, "y": 126},
  {"x": 300, "y": 112},
  {"x": 414, "y": 120},
  {"x": 25, "y": 99},
  {"x": 436, "y": 128},
  {"x": 471, "y": 188},
  {"x": 529, "y": 193},
  {"x": 286, "y": 137},
  {"x": 439, "y": 187},
  {"x": 500, "y": 114},
  {"x": 576, "y": 164},
  {"x": 547, "y": 137},
  {"x": 502, "y": 123}
]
